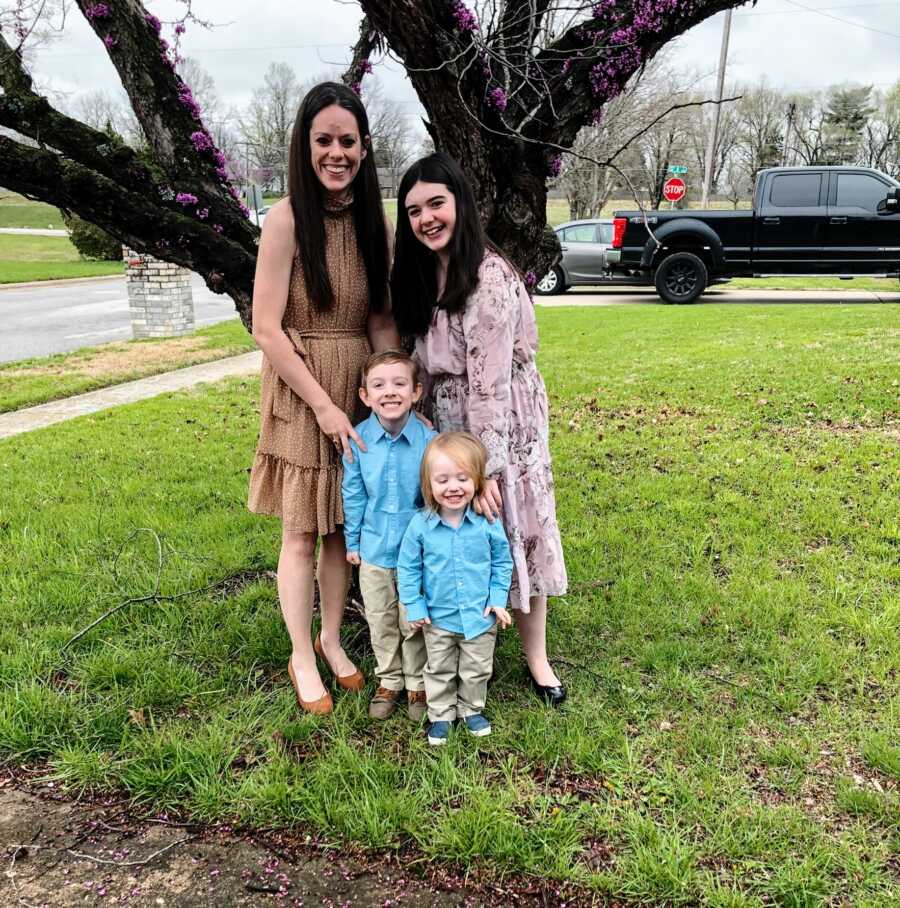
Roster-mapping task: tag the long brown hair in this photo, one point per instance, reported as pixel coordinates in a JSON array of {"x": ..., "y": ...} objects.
[
  {"x": 307, "y": 197},
  {"x": 413, "y": 279}
]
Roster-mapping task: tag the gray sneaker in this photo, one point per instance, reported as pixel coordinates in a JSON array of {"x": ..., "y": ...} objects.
[{"x": 416, "y": 704}]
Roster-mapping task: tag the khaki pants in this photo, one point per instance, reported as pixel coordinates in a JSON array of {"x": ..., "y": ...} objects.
[
  {"x": 399, "y": 649},
  {"x": 457, "y": 672}
]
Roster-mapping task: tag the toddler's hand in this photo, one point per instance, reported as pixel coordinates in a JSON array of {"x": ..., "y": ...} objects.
[
  {"x": 420, "y": 623},
  {"x": 504, "y": 619},
  {"x": 353, "y": 558}
]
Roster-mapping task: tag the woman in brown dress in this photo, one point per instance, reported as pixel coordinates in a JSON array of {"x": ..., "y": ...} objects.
[{"x": 319, "y": 309}]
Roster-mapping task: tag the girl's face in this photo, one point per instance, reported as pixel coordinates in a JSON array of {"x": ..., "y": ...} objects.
[
  {"x": 431, "y": 209},
  {"x": 336, "y": 148},
  {"x": 452, "y": 486}
]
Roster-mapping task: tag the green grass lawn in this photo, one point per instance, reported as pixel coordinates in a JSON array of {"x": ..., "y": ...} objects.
[
  {"x": 727, "y": 485},
  {"x": 46, "y": 258},
  {"x": 35, "y": 381},
  {"x": 17, "y": 211}
]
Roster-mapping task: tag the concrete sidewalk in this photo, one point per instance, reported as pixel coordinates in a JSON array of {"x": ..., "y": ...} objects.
[
  {"x": 33, "y": 231},
  {"x": 38, "y": 417}
]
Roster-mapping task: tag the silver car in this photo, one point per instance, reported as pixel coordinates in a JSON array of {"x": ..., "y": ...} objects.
[{"x": 587, "y": 254}]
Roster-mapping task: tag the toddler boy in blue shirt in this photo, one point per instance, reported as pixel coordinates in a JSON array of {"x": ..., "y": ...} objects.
[
  {"x": 381, "y": 493},
  {"x": 454, "y": 574}
]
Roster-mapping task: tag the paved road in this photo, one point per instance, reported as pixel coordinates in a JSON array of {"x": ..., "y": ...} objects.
[
  {"x": 64, "y": 315},
  {"x": 59, "y": 316}
]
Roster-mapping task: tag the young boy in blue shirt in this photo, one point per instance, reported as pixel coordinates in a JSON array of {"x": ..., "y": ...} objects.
[
  {"x": 454, "y": 573},
  {"x": 381, "y": 493}
]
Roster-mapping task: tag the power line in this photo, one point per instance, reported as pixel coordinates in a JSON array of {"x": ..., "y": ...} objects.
[
  {"x": 793, "y": 12},
  {"x": 820, "y": 12}
]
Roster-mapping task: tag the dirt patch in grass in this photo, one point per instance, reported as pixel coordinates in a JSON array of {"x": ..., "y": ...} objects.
[
  {"x": 124, "y": 359},
  {"x": 101, "y": 849}
]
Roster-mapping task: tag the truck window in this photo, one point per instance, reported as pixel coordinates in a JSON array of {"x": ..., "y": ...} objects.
[
  {"x": 605, "y": 234},
  {"x": 859, "y": 190},
  {"x": 795, "y": 190},
  {"x": 583, "y": 233}
]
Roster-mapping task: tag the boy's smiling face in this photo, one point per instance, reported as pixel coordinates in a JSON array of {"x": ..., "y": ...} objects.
[{"x": 391, "y": 392}]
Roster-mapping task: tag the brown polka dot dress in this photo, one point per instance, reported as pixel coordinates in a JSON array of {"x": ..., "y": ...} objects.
[{"x": 297, "y": 472}]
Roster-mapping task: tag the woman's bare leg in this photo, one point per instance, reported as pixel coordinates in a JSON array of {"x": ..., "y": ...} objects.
[
  {"x": 296, "y": 568},
  {"x": 533, "y": 634},
  {"x": 333, "y": 574}
]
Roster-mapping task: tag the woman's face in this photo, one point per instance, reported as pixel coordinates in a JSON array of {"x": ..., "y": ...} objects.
[
  {"x": 336, "y": 147},
  {"x": 431, "y": 209}
]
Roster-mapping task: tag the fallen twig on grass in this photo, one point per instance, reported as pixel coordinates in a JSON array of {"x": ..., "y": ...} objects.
[
  {"x": 141, "y": 863},
  {"x": 747, "y": 690}
]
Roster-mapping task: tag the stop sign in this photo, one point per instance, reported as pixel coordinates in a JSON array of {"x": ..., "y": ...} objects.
[{"x": 674, "y": 189}]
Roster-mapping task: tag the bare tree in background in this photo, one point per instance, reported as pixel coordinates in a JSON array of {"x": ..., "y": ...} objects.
[
  {"x": 881, "y": 142},
  {"x": 506, "y": 90},
  {"x": 266, "y": 124},
  {"x": 393, "y": 140}
]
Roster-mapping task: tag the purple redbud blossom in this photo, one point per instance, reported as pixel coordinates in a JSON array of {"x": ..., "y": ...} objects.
[
  {"x": 164, "y": 45},
  {"x": 497, "y": 98},
  {"x": 203, "y": 213},
  {"x": 245, "y": 211},
  {"x": 465, "y": 18},
  {"x": 96, "y": 11},
  {"x": 110, "y": 41},
  {"x": 233, "y": 192},
  {"x": 365, "y": 66},
  {"x": 187, "y": 100},
  {"x": 186, "y": 198},
  {"x": 218, "y": 228},
  {"x": 222, "y": 172},
  {"x": 530, "y": 278},
  {"x": 356, "y": 86},
  {"x": 555, "y": 166},
  {"x": 179, "y": 28},
  {"x": 201, "y": 140},
  {"x": 153, "y": 22}
]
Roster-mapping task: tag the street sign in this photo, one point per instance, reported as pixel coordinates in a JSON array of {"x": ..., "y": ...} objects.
[
  {"x": 674, "y": 189},
  {"x": 677, "y": 168}
]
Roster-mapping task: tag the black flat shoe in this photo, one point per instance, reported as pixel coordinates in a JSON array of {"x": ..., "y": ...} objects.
[{"x": 552, "y": 695}]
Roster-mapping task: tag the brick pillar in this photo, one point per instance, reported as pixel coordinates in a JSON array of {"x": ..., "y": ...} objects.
[{"x": 159, "y": 296}]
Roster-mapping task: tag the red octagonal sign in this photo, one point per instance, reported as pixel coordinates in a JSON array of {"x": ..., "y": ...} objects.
[{"x": 674, "y": 189}]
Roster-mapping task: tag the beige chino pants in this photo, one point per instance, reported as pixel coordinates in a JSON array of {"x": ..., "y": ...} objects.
[
  {"x": 399, "y": 649},
  {"x": 457, "y": 672}
]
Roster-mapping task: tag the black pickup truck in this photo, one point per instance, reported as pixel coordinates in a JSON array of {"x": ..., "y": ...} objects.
[{"x": 842, "y": 221}]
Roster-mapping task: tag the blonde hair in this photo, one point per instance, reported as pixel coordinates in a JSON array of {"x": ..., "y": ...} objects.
[
  {"x": 390, "y": 356},
  {"x": 462, "y": 448}
]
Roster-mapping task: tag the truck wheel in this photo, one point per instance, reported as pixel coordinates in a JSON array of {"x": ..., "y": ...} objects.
[
  {"x": 681, "y": 277},
  {"x": 552, "y": 282}
]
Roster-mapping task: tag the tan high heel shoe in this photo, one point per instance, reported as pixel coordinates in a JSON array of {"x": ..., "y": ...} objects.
[
  {"x": 356, "y": 681},
  {"x": 321, "y": 707}
]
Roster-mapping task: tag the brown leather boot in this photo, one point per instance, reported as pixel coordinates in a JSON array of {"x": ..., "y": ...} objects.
[
  {"x": 416, "y": 704},
  {"x": 383, "y": 703}
]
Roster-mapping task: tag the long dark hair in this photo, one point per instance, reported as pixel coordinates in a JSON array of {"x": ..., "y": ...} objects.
[
  {"x": 307, "y": 197},
  {"x": 414, "y": 277}
]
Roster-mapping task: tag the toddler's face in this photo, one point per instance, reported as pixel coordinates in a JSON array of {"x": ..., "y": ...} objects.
[
  {"x": 390, "y": 391},
  {"x": 452, "y": 485}
]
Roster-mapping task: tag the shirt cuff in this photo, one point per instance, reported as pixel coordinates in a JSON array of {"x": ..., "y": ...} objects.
[
  {"x": 498, "y": 598},
  {"x": 416, "y": 610}
]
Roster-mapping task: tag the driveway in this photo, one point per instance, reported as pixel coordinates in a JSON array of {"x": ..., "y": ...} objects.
[{"x": 59, "y": 316}]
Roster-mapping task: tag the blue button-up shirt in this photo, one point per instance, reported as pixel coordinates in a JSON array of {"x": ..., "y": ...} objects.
[
  {"x": 381, "y": 488},
  {"x": 452, "y": 574}
]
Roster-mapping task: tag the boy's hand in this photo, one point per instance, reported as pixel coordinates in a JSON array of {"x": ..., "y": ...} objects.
[
  {"x": 504, "y": 619},
  {"x": 420, "y": 623},
  {"x": 353, "y": 558}
]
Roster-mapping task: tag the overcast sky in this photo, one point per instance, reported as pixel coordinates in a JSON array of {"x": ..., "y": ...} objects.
[{"x": 794, "y": 44}]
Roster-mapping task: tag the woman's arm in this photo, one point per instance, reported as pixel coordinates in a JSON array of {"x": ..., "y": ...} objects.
[{"x": 270, "y": 293}]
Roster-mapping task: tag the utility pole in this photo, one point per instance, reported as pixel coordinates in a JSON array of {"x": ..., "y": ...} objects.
[
  {"x": 720, "y": 91},
  {"x": 792, "y": 109}
]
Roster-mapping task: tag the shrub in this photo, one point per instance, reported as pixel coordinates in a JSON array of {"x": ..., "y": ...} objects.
[{"x": 92, "y": 242}]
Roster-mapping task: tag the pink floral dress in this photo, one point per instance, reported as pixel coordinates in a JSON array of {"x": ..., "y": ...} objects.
[{"x": 482, "y": 378}]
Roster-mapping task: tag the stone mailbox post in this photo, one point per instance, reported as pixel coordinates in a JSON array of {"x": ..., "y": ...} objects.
[{"x": 159, "y": 296}]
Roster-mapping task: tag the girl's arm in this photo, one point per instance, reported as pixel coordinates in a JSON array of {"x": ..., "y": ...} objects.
[
  {"x": 270, "y": 292},
  {"x": 489, "y": 324}
]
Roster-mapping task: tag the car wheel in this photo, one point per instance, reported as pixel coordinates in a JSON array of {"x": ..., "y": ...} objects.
[
  {"x": 551, "y": 282},
  {"x": 681, "y": 277}
]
